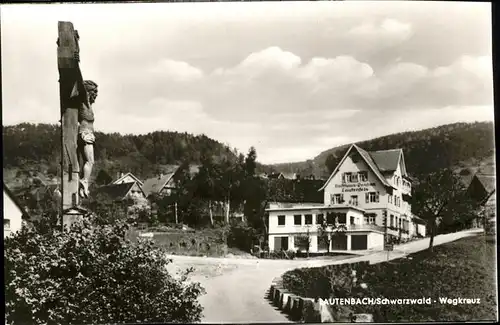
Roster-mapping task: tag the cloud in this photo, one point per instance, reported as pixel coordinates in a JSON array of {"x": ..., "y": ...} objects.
[
  {"x": 269, "y": 59},
  {"x": 273, "y": 98},
  {"x": 291, "y": 80},
  {"x": 177, "y": 70},
  {"x": 388, "y": 29}
]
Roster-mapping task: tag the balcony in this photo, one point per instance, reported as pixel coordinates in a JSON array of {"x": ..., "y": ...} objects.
[
  {"x": 364, "y": 227},
  {"x": 397, "y": 231}
]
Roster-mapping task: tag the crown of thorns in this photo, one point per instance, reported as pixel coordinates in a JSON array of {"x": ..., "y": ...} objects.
[{"x": 90, "y": 86}]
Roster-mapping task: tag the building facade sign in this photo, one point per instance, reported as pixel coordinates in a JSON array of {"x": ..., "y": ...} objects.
[{"x": 358, "y": 187}]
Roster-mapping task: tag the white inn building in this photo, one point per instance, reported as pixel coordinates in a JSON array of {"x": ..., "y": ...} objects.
[{"x": 368, "y": 195}]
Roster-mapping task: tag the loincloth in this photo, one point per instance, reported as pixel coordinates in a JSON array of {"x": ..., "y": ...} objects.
[{"x": 87, "y": 136}]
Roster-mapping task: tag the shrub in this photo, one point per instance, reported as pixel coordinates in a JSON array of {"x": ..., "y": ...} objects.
[
  {"x": 92, "y": 275},
  {"x": 241, "y": 236}
]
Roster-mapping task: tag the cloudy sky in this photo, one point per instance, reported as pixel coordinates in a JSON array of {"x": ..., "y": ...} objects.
[{"x": 292, "y": 79}]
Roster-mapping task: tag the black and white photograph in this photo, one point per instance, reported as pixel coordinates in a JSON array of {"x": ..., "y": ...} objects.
[{"x": 248, "y": 162}]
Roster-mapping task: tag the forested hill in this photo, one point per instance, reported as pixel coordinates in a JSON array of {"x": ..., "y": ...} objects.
[
  {"x": 458, "y": 146},
  {"x": 33, "y": 145},
  {"x": 37, "y": 147}
]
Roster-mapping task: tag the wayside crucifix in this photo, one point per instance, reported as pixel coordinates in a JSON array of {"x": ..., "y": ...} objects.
[{"x": 77, "y": 124}]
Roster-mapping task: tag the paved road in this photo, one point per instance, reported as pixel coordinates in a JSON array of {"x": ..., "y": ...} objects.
[{"x": 236, "y": 288}]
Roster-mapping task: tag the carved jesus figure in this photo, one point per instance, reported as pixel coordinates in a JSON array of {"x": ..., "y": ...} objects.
[{"x": 86, "y": 137}]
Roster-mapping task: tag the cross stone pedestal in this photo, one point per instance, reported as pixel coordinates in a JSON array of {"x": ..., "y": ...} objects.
[{"x": 73, "y": 215}]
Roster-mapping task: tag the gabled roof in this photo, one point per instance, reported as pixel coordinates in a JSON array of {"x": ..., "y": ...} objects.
[
  {"x": 25, "y": 214},
  {"x": 168, "y": 168},
  {"x": 156, "y": 184},
  {"x": 487, "y": 181},
  {"x": 387, "y": 159},
  {"x": 116, "y": 191},
  {"x": 131, "y": 175},
  {"x": 275, "y": 175}
]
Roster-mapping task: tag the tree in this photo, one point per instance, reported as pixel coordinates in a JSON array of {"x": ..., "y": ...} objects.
[
  {"x": 103, "y": 178},
  {"x": 231, "y": 183},
  {"x": 93, "y": 275},
  {"x": 207, "y": 181},
  {"x": 251, "y": 162},
  {"x": 328, "y": 228},
  {"x": 255, "y": 191},
  {"x": 140, "y": 210},
  {"x": 182, "y": 181},
  {"x": 440, "y": 195},
  {"x": 107, "y": 211},
  {"x": 304, "y": 241},
  {"x": 331, "y": 162}
]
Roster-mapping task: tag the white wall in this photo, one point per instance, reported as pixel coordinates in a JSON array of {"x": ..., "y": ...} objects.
[
  {"x": 13, "y": 213},
  {"x": 375, "y": 241},
  {"x": 135, "y": 191},
  {"x": 291, "y": 228},
  {"x": 421, "y": 229},
  {"x": 398, "y": 191},
  {"x": 413, "y": 229}
]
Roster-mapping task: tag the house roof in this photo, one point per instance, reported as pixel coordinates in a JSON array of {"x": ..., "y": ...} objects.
[
  {"x": 275, "y": 175},
  {"x": 418, "y": 219},
  {"x": 287, "y": 205},
  {"x": 372, "y": 164},
  {"x": 488, "y": 182},
  {"x": 388, "y": 161},
  {"x": 156, "y": 184},
  {"x": 131, "y": 175},
  {"x": 116, "y": 191},
  {"x": 25, "y": 214},
  {"x": 168, "y": 168},
  {"x": 313, "y": 206}
]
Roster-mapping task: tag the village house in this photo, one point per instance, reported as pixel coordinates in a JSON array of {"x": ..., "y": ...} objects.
[
  {"x": 482, "y": 189},
  {"x": 368, "y": 192},
  {"x": 163, "y": 184},
  {"x": 122, "y": 192},
  {"x": 277, "y": 175},
  {"x": 13, "y": 213},
  {"x": 127, "y": 178}
]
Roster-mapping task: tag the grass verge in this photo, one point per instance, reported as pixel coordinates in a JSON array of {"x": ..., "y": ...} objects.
[{"x": 464, "y": 268}]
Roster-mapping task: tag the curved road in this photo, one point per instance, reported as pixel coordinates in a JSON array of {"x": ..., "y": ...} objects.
[{"x": 236, "y": 288}]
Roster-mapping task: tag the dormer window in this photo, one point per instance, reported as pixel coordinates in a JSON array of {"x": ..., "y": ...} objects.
[
  {"x": 350, "y": 177},
  {"x": 363, "y": 176}
]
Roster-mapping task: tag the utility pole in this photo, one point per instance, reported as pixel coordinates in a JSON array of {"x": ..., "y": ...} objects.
[
  {"x": 72, "y": 96},
  {"x": 176, "y": 218}
]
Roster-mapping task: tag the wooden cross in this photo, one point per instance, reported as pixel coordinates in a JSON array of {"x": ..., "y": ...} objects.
[{"x": 72, "y": 96}]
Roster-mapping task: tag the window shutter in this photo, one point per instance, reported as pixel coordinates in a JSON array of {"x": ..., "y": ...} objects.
[
  {"x": 377, "y": 197},
  {"x": 367, "y": 197},
  {"x": 343, "y": 177}
]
